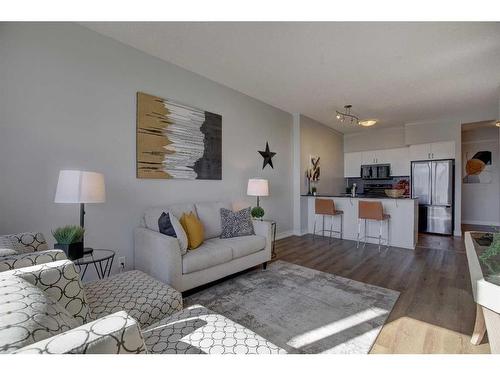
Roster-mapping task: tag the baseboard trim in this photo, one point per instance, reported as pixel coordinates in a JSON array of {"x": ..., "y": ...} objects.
[
  {"x": 479, "y": 222},
  {"x": 286, "y": 234}
]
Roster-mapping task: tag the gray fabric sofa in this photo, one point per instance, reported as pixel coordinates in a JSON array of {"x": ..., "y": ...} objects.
[{"x": 161, "y": 257}]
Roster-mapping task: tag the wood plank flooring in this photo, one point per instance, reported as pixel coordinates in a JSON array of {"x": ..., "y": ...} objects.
[{"x": 435, "y": 311}]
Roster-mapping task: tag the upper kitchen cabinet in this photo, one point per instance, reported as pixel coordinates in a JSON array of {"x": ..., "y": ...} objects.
[
  {"x": 352, "y": 164},
  {"x": 433, "y": 151},
  {"x": 399, "y": 159}
]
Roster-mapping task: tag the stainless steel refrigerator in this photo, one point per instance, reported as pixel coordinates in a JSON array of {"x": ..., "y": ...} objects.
[{"x": 432, "y": 183}]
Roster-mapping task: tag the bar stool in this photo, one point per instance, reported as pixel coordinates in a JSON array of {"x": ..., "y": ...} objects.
[
  {"x": 369, "y": 210},
  {"x": 326, "y": 207}
]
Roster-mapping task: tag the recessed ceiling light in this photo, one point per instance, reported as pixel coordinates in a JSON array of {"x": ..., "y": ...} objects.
[
  {"x": 497, "y": 123},
  {"x": 367, "y": 122}
]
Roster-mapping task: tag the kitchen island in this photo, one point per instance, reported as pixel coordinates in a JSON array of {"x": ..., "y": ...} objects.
[{"x": 403, "y": 221}]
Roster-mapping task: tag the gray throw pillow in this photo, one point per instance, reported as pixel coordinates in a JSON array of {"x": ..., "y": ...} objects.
[{"x": 236, "y": 224}]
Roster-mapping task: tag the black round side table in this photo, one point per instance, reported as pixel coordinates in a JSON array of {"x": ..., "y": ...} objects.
[{"x": 102, "y": 259}]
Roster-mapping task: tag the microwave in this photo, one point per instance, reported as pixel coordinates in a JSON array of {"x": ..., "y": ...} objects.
[{"x": 375, "y": 171}]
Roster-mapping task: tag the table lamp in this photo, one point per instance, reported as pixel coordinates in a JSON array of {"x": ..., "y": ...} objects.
[
  {"x": 258, "y": 187},
  {"x": 80, "y": 187}
]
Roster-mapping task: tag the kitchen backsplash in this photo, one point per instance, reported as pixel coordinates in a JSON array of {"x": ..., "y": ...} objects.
[{"x": 360, "y": 183}]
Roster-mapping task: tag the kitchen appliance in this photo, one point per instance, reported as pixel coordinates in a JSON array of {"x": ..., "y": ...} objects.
[
  {"x": 376, "y": 189},
  {"x": 375, "y": 171},
  {"x": 432, "y": 183}
]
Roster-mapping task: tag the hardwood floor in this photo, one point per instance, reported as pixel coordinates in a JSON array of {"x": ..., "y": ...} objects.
[{"x": 435, "y": 312}]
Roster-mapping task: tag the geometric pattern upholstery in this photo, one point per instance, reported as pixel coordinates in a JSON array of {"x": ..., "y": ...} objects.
[
  {"x": 114, "y": 334},
  {"x": 11, "y": 262},
  {"x": 61, "y": 281},
  {"x": 28, "y": 315},
  {"x": 26, "y": 242},
  {"x": 199, "y": 330},
  {"x": 144, "y": 298}
]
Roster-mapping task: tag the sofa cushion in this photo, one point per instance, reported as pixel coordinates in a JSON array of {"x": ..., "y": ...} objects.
[
  {"x": 197, "y": 330},
  {"x": 243, "y": 246},
  {"x": 151, "y": 215},
  {"x": 28, "y": 315},
  {"x": 211, "y": 253},
  {"x": 209, "y": 214}
]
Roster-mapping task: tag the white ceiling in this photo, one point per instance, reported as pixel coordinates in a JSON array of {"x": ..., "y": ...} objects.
[{"x": 393, "y": 72}]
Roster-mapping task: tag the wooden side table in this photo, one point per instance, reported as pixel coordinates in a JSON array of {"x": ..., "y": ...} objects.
[{"x": 485, "y": 279}]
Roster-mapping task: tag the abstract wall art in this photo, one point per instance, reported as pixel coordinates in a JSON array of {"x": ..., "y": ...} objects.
[
  {"x": 478, "y": 166},
  {"x": 178, "y": 141}
]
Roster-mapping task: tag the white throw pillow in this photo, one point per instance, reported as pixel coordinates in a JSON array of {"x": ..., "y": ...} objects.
[{"x": 179, "y": 231}]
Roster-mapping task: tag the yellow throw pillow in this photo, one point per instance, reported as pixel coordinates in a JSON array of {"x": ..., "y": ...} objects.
[{"x": 194, "y": 230}]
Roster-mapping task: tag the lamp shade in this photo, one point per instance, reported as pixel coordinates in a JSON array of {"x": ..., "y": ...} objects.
[
  {"x": 258, "y": 187},
  {"x": 80, "y": 187}
]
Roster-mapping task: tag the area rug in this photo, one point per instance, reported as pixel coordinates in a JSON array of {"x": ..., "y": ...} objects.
[{"x": 302, "y": 310}]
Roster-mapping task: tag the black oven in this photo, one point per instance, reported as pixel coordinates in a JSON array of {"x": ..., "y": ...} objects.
[{"x": 375, "y": 171}]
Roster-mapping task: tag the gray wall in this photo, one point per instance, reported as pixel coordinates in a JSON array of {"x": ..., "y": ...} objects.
[
  {"x": 321, "y": 140},
  {"x": 67, "y": 100},
  {"x": 374, "y": 139},
  {"x": 480, "y": 200}
]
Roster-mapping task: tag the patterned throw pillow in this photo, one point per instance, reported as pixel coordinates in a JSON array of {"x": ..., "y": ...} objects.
[
  {"x": 28, "y": 315},
  {"x": 236, "y": 224}
]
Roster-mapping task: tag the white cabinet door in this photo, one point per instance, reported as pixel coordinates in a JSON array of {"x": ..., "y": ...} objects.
[
  {"x": 400, "y": 161},
  {"x": 352, "y": 164},
  {"x": 420, "y": 152},
  {"x": 383, "y": 156},
  {"x": 368, "y": 157},
  {"x": 443, "y": 150}
]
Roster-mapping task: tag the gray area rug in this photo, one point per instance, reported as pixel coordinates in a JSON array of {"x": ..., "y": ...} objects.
[{"x": 301, "y": 309}]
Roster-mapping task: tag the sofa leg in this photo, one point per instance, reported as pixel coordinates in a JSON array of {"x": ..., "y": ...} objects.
[{"x": 264, "y": 265}]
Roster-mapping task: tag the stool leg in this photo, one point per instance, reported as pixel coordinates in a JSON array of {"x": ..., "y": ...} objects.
[
  {"x": 314, "y": 227},
  {"x": 341, "y": 226},
  {"x": 388, "y": 233},
  {"x": 364, "y": 243},
  {"x": 359, "y": 230},
  {"x": 331, "y": 229},
  {"x": 323, "y": 231},
  {"x": 380, "y": 235}
]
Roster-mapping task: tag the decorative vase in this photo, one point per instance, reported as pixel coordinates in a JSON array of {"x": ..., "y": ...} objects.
[{"x": 73, "y": 250}]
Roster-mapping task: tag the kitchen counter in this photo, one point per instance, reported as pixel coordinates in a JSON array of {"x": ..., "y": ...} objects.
[
  {"x": 403, "y": 222},
  {"x": 359, "y": 196}
]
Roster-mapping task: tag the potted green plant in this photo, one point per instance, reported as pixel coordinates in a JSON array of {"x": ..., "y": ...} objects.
[
  {"x": 70, "y": 240},
  {"x": 257, "y": 212}
]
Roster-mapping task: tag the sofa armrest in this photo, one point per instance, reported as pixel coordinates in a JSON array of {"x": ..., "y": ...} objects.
[
  {"x": 61, "y": 281},
  {"x": 117, "y": 333},
  {"x": 263, "y": 228},
  {"x": 11, "y": 262},
  {"x": 159, "y": 256}
]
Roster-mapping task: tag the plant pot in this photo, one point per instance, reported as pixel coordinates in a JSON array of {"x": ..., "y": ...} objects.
[{"x": 73, "y": 251}]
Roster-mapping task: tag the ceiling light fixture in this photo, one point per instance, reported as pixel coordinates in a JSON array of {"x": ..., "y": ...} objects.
[
  {"x": 367, "y": 122},
  {"x": 347, "y": 115},
  {"x": 497, "y": 123}
]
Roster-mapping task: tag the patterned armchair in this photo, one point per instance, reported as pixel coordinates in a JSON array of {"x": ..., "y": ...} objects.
[{"x": 26, "y": 249}]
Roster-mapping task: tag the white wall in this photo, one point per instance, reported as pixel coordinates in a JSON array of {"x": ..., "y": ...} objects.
[
  {"x": 321, "y": 140},
  {"x": 67, "y": 100},
  {"x": 480, "y": 201},
  {"x": 374, "y": 139}
]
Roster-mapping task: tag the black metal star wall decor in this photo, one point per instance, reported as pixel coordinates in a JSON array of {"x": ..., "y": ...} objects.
[{"x": 268, "y": 156}]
